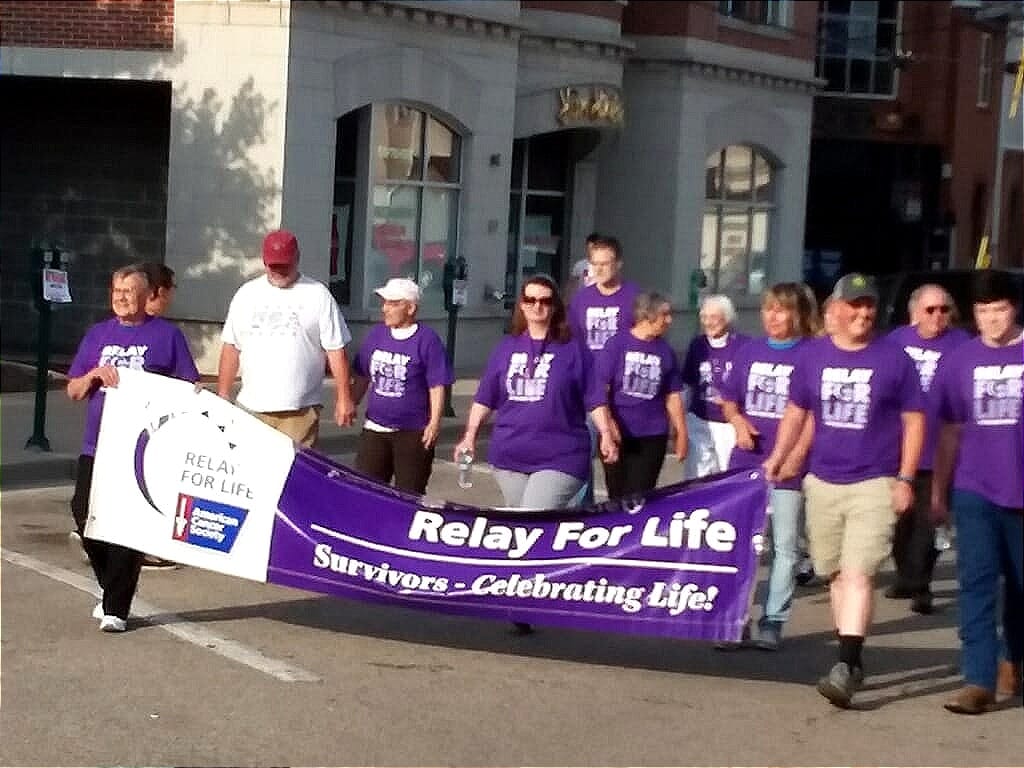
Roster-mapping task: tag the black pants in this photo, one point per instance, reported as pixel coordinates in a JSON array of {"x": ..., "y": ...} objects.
[
  {"x": 117, "y": 568},
  {"x": 383, "y": 455},
  {"x": 638, "y": 467},
  {"x": 913, "y": 544}
]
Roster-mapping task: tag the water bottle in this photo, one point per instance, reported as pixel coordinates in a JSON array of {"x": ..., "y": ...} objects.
[
  {"x": 943, "y": 538},
  {"x": 465, "y": 469}
]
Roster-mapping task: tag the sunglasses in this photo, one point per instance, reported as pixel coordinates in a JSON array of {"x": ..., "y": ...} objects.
[
  {"x": 941, "y": 309},
  {"x": 544, "y": 301}
]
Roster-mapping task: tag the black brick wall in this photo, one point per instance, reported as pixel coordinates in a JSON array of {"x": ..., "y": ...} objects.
[{"x": 82, "y": 163}]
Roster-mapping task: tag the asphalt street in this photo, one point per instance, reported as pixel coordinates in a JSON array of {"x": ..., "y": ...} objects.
[{"x": 221, "y": 671}]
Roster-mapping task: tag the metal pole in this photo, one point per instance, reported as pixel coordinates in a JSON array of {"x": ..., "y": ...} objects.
[
  {"x": 453, "y": 313},
  {"x": 38, "y": 439}
]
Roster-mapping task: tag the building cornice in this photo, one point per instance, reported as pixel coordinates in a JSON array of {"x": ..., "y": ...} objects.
[{"x": 726, "y": 63}]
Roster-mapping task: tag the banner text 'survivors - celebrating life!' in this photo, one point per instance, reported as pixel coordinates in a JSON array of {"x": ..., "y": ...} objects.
[{"x": 185, "y": 475}]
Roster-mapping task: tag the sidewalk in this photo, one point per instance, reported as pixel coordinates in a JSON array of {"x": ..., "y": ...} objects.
[{"x": 65, "y": 420}]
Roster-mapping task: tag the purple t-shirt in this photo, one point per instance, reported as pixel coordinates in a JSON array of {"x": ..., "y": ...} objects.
[
  {"x": 927, "y": 355},
  {"x": 156, "y": 346},
  {"x": 636, "y": 377},
  {"x": 704, "y": 368},
  {"x": 401, "y": 373},
  {"x": 596, "y": 318},
  {"x": 857, "y": 399},
  {"x": 537, "y": 389},
  {"x": 980, "y": 387},
  {"x": 759, "y": 385}
]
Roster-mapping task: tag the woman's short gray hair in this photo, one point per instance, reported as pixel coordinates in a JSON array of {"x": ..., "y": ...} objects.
[
  {"x": 648, "y": 305},
  {"x": 724, "y": 304}
]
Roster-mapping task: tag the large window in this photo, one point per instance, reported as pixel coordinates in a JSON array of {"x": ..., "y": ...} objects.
[
  {"x": 414, "y": 200},
  {"x": 765, "y": 12},
  {"x": 343, "y": 213},
  {"x": 857, "y": 44},
  {"x": 739, "y": 203}
]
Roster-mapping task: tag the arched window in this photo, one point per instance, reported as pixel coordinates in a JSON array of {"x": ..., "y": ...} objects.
[
  {"x": 414, "y": 199},
  {"x": 738, "y": 208}
]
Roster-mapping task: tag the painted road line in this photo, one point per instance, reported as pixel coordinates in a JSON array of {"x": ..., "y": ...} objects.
[{"x": 188, "y": 631}]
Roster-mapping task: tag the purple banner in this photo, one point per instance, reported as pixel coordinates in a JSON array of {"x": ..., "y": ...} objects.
[{"x": 681, "y": 562}]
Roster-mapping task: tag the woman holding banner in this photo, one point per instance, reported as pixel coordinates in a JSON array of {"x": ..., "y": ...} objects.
[
  {"x": 130, "y": 339},
  {"x": 754, "y": 397},
  {"x": 535, "y": 383},
  {"x": 638, "y": 380}
]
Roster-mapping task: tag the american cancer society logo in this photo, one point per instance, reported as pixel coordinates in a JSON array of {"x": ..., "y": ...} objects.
[{"x": 206, "y": 523}]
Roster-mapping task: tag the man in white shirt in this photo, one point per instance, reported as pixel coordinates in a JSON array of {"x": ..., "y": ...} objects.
[{"x": 280, "y": 329}]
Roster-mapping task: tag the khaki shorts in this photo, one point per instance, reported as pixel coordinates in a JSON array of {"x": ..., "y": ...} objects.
[
  {"x": 849, "y": 526},
  {"x": 302, "y": 426}
]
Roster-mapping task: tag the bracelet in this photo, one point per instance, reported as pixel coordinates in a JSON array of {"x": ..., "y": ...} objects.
[{"x": 905, "y": 479}]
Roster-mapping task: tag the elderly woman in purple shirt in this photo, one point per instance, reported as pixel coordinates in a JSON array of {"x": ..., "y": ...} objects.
[
  {"x": 535, "y": 383},
  {"x": 637, "y": 382}
]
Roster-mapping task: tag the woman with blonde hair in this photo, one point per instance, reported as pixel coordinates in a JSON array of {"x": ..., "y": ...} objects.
[{"x": 755, "y": 394}]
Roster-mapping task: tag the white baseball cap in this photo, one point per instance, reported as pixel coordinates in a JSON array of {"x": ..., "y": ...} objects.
[{"x": 400, "y": 289}]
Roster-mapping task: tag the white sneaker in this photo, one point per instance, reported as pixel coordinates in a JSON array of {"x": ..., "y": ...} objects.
[
  {"x": 97, "y": 611},
  {"x": 113, "y": 624}
]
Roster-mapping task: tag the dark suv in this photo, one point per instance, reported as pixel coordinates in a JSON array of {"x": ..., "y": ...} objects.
[{"x": 894, "y": 294}]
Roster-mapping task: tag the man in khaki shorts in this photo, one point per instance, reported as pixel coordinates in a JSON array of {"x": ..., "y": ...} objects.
[
  {"x": 281, "y": 329},
  {"x": 865, "y": 398}
]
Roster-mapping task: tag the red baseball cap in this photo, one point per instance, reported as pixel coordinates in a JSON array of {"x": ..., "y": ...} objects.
[{"x": 280, "y": 249}]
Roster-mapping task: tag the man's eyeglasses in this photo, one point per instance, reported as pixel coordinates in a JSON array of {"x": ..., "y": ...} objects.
[
  {"x": 942, "y": 309},
  {"x": 544, "y": 301}
]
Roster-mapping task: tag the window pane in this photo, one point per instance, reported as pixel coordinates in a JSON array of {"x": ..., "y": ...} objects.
[
  {"x": 862, "y": 38},
  {"x": 860, "y": 76},
  {"x": 397, "y": 142},
  {"x": 548, "y": 162},
  {"x": 709, "y": 246},
  {"x": 443, "y": 145},
  {"x": 542, "y": 236},
  {"x": 887, "y": 9},
  {"x": 758, "y": 277},
  {"x": 518, "y": 148},
  {"x": 764, "y": 180},
  {"x": 838, "y": 6},
  {"x": 735, "y": 237},
  {"x": 713, "y": 176},
  {"x": 346, "y": 139},
  {"x": 883, "y": 77},
  {"x": 340, "y": 256},
  {"x": 440, "y": 218},
  {"x": 886, "y": 39},
  {"x": 835, "y": 34},
  {"x": 392, "y": 251},
  {"x": 738, "y": 170},
  {"x": 512, "y": 251},
  {"x": 834, "y": 72}
]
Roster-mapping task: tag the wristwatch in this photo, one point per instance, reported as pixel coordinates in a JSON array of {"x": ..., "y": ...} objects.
[{"x": 905, "y": 479}]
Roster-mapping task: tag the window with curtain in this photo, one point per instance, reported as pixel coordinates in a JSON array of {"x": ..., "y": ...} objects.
[
  {"x": 764, "y": 12},
  {"x": 739, "y": 202},
  {"x": 414, "y": 200}
]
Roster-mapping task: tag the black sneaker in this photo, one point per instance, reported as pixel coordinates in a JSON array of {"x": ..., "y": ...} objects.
[
  {"x": 151, "y": 563},
  {"x": 839, "y": 685},
  {"x": 922, "y": 603}
]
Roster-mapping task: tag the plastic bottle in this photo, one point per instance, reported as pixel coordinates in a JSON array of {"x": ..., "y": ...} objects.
[
  {"x": 465, "y": 469},
  {"x": 943, "y": 538}
]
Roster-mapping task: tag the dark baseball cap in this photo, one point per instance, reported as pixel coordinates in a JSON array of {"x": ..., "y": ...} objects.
[
  {"x": 855, "y": 286},
  {"x": 280, "y": 249}
]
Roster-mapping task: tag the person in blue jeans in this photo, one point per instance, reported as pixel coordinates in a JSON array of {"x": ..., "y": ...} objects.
[
  {"x": 754, "y": 396},
  {"x": 981, "y": 456}
]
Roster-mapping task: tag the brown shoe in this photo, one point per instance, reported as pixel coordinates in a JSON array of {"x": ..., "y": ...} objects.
[
  {"x": 1008, "y": 681},
  {"x": 971, "y": 700}
]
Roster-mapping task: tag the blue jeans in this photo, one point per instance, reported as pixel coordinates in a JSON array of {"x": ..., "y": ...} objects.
[
  {"x": 990, "y": 544},
  {"x": 787, "y": 509}
]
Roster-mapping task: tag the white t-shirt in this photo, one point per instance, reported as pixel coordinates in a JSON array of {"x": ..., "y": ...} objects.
[{"x": 281, "y": 335}]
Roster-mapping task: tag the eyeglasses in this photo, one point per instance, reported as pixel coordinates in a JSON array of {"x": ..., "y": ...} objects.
[
  {"x": 941, "y": 309},
  {"x": 544, "y": 301}
]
